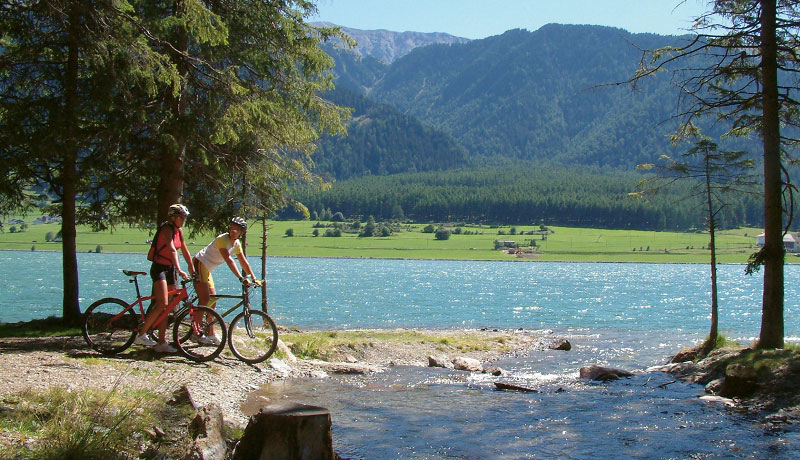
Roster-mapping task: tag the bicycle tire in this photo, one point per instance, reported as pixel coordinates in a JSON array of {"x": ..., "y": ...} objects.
[
  {"x": 105, "y": 335},
  {"x": 253, "y": 336},
  {"x": 185, "y": 328}
]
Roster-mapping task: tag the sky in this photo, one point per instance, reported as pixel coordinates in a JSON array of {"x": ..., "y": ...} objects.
[{"x": 483, "y": 18}]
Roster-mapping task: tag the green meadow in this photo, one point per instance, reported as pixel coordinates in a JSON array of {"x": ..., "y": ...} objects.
[{"x": 561, "y": 244}]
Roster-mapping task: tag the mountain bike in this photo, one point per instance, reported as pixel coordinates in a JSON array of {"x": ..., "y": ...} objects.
[
  {"x": 110, "y": 325},
  {"x": 252, "y": 335}
]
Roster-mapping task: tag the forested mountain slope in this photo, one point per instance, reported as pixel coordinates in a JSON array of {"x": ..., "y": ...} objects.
[
  {"x": 522, "y": 111},
  {"x": 381, "y": 140},
  {"x": 539, "y": 95}
]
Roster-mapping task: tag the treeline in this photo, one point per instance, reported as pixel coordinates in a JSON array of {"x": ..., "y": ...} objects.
[{"x": 524, "y": 194}]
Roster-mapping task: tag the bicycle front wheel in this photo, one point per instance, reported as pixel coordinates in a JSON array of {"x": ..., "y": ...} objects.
[
  {"x": 199, "y": 333},
  {"x": 109, "y": 326},
  {"x": 253, "y": 336}
]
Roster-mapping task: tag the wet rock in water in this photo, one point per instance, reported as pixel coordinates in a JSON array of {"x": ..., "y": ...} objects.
[
  {"x": 496, "y": 371},
  {"x": 560, "y": 344},
  {"x": 467, "y": 364},
  {"x": 512, "y": 387},
  {"x": 345, "y": 368},
  {"x": 740, "y": 381},
  {"x": 287, "y": 430},
  {"x": 440, "y": 361},
  {"x": 713, "y": 387},
  {"x": 602, "y": 373},
  {"x": 718, "y": 400}
]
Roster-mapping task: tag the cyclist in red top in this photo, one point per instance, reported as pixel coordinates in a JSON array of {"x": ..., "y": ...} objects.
[{"x": 165, "y": 266}]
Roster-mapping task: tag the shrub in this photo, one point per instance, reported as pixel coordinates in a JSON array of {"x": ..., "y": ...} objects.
[
  {"x": 429, "y": 229},
  {"x": 315, "y": 232},
  {"x": 98, "y": 249},
  {"x": 442, "y": 234},
  {"x": 49, "y": 236},
  {"x": 289, "y": 232},
  {"x": 338, "y": 217},
  {"x": 333, "y": 232},
  {"x": 368, "y": 230}
]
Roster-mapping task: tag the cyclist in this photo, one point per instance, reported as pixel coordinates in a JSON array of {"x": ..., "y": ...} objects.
[
  {"x": 216, "y": 253},
  {"x": 166, "y": 266}
]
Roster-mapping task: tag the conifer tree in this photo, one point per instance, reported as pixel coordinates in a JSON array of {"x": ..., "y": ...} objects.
[{"x": 730, "y": 71}]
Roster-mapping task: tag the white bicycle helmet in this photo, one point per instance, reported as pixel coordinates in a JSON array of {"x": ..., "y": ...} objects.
[
  {"x": 240, "y": 222},
  {"x": 178, "y": 210}
]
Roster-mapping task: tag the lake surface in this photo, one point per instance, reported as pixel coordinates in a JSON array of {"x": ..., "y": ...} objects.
[{"x": 623, "y": 315}]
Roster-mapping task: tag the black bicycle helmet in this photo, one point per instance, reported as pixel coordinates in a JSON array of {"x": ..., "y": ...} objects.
[{"x": 240, "y": 222}]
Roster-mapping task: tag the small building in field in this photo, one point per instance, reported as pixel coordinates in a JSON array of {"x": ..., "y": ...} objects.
[{"x": 790, "y": 241}]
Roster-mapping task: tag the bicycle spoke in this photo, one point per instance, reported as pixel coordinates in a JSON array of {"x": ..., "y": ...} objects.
[
  {"x": 253, "y": 336},
  {"x": 200, "y": 334},
  {"x": 108, "y": 327}
]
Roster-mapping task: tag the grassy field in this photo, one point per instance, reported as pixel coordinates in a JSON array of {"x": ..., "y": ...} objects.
[{"x": 561, "y": 243}]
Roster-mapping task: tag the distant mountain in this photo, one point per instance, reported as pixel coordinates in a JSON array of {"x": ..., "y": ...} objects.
[
  {"x": 540, "y": 95},
  {"x": 386, "y": 46},
  {"x": 381, "y": 141},
  {"x": 534, "y": 100}
]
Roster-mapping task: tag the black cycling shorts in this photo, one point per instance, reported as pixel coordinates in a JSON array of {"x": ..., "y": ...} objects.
[{"x": 167, "y": 273}]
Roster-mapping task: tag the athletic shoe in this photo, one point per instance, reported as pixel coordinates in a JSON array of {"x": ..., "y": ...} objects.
[
  {"x": 205, "y": 340},
  {"x": 165, "y": 348},
  {"x": 144, "y": 340}
]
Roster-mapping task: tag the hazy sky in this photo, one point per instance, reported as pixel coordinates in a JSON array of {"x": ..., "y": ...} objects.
[{"x": 483, "y": 18}]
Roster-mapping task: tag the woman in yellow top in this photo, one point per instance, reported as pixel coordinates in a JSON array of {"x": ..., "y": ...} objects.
[{"x": 216, "y": 253}]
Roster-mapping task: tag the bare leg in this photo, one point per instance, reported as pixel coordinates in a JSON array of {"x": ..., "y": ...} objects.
[
  {"x": 162, "y": 326},
  {"x": 204, "y": 292},
  {"x": 160, "y": 297}
]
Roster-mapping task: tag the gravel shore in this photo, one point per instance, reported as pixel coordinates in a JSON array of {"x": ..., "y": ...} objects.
[{"x": 40, "y": 363}]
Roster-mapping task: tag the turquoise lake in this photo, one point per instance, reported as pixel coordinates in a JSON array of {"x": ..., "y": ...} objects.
[
  {"x": 369, "y": 293},
  {"x": 623, "y": 315}
]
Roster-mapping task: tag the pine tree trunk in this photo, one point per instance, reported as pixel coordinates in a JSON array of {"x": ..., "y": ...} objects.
[
  {"x": 170, "y": 189},
  {"x": 712, "y": 335},
  {"x": 70, "y": 308},
  {"x": 772, "y": 307}
]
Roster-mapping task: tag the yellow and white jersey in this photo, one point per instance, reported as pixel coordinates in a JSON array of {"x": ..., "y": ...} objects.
[{"x": 210, "y": 255}]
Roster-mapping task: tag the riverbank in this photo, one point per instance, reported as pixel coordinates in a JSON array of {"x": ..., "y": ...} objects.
[
  {"x": 44, "y": 362},
  {"x": 311, "y": 359}
]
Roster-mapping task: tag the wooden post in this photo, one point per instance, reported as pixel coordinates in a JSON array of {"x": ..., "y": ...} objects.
[{"x": 264, "y": 303}]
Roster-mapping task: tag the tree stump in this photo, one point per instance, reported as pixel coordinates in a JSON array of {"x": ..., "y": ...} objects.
[{"x": 287, "y": 431}]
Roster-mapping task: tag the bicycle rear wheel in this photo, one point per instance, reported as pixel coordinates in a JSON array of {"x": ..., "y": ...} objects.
[
  {"x": 108, "y": 327},
  {"x": 199, "y": 333},
  {"x": 253, "y": 336}
]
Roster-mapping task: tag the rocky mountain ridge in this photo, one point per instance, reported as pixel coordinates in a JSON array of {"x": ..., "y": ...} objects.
[{"x": 387, "y": 46}]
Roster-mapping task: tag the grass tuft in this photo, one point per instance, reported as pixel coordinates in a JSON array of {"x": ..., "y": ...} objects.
[{"x": 59, "y": 424}]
